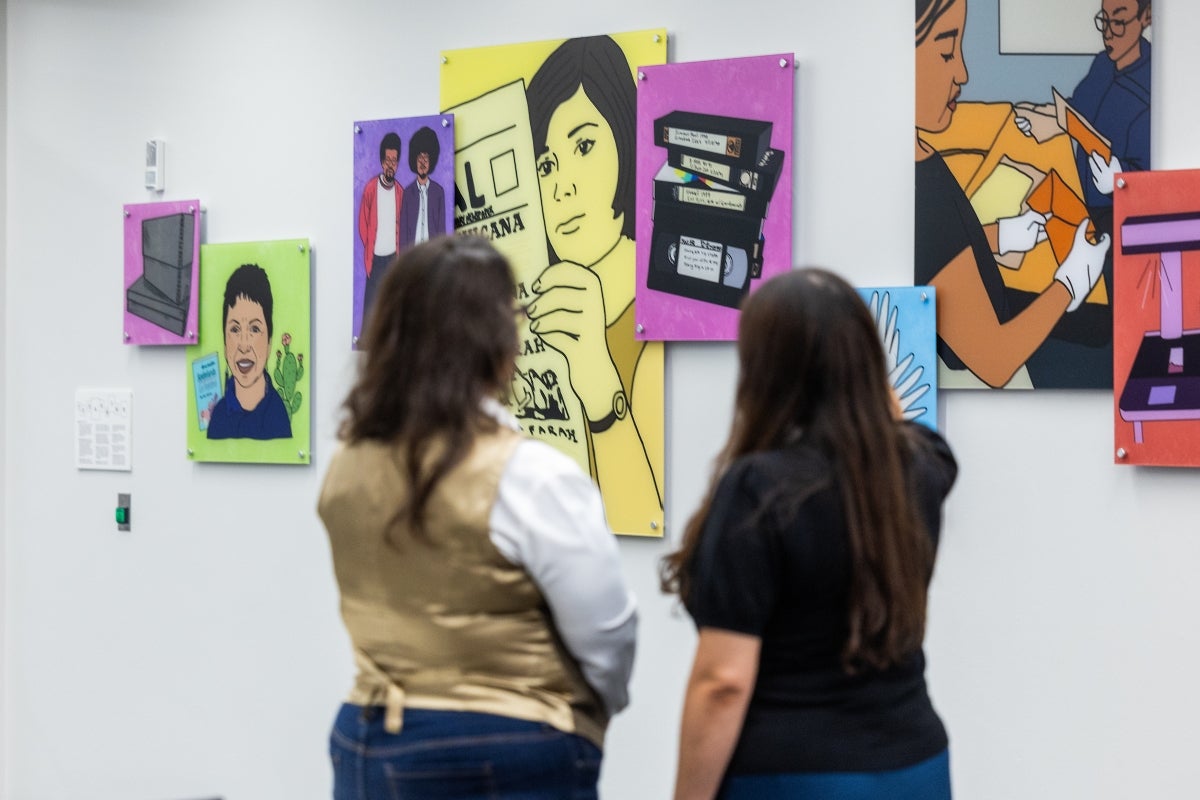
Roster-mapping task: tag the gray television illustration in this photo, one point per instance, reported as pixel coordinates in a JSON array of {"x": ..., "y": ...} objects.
[{"x": 163, "y": 293}]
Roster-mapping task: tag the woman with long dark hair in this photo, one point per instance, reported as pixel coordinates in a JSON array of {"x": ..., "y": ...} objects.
[
  {"x": 480, "y": 586},
  {"x": 806, "y": 567}
]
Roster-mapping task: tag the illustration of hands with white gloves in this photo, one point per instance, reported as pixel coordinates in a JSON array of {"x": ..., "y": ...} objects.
[
  {"x": 1037, "y": 121},
  {"x": 1103, "y": 172},
  {"x": 1021, "y": 233},
  {"x": 1082, "y": 267},
  {"x": 903, "y": 377}
]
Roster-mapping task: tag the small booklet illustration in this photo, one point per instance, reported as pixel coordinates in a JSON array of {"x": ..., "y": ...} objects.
[
  {"x": 1079, "y": 129},
  {"x": 206, "y": 376}
]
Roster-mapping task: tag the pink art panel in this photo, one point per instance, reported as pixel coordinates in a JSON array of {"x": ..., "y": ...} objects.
[
  {"x": 714, "y": 191},
  {"x": 162, "y": 272}
]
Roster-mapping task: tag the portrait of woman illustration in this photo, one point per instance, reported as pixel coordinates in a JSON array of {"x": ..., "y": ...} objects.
[
  {"x": 250, "y": 407},
  {"x": 978, "y": 332},
  {"x": 583, "y": 111}
]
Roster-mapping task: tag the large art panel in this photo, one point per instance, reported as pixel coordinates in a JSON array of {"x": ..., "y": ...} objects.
[
  {"x": 714, "y": 215},
  {"x": 1156, "y": 359},
  {"x": 248, "y": 378},
  {"x": 1014, "y": 182},
  {"x": 545, "y": 167}
]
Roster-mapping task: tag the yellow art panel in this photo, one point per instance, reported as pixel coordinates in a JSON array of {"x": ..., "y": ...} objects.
[{"x": 545, "y": 156}]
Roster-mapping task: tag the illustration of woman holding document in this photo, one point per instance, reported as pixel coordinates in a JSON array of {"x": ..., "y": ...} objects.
[
  {"x": 583, "y": 111},
  {"x": 978, "y": 333}
]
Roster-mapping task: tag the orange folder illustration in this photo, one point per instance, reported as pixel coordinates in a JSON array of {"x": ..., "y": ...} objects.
[
  {"x": 1079, "y": 129},
  {"x": 1064, "y": 210}
]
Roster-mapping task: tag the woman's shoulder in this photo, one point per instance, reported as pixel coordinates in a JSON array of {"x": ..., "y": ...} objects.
[
  {"x": 932, "y": 454},
  {"x": 535, "y": 460}
]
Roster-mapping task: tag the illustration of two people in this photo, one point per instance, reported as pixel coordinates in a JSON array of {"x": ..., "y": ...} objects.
[
  {"x": 583, "y": 113},
  {"x": 978, "y": 331},
  {"x": 250, "y": 407},
  {"x": 391, "y": 218}
]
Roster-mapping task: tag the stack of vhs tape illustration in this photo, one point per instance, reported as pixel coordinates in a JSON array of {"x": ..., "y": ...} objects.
[{"x": 710, "y": 200}]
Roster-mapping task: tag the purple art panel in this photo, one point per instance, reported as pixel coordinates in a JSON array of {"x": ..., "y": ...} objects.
[
  {"x": 403, "y": 194},
  {"x": 162, "y": 272},
  {"x": 714, "y": 191}
]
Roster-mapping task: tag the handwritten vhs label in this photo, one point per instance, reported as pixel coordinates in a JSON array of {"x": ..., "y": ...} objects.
[{"x": 699, "y": 258}]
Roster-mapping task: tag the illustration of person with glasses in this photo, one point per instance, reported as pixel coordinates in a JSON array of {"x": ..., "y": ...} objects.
[
  {"x": 1115, "y": 97},
  {"x": 379, "y": 219}
]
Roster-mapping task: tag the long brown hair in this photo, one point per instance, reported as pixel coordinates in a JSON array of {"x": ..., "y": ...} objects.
[
  {"x": 440, "y": 338},
  {"x": 811, "y": 366}
]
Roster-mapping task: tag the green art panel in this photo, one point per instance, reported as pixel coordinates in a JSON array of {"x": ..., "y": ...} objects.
[{"x": 249, "y": 377}]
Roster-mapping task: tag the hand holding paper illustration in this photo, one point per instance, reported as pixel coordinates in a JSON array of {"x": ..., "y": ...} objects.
[
  {"x": 1103, "y": 172},
  {"x": 568, "y": 315},
  {"x": 1021, "y": 233},
  {"x": 1083, "y": 266},
  {"x": 1037, "y": 122}
]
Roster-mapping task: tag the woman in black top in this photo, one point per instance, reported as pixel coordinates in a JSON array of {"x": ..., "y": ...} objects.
[{"x": 806, "y": 568}]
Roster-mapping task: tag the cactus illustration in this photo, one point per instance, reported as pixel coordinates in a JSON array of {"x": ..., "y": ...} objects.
[{"x": 289, "y": 369}]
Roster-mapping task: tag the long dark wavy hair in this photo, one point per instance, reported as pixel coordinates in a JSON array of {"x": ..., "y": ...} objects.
[
  {"x": 811, "y": 367},
  {"x": 441, "y": 337}
]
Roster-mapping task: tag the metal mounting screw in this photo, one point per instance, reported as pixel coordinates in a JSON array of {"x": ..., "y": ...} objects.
[
  {"x": 653, "y": 525},
  {"x": 1121, "y": 453},
  {"x": 641, "y": 75},
  {"x": 445, "y": 122},
  {"x": 782, "y": 63},
  {"x": 640, "y": 328},
  {"x": 358, "y": 128},
  {"x": 1120, "y": 183}
]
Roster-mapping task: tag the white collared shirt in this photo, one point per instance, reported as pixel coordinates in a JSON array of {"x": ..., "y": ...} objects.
[
  {"x": 549, "y": 519},
  {"x": 422, "y": 234}
]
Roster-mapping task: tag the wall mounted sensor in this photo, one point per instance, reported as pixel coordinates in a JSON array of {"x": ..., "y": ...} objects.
[{"x": 156, "y": 164}]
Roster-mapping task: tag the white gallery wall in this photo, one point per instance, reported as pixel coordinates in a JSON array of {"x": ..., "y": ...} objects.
[
  {"x": 3, "y": 367},
  {"x": 201, "y": 654}
]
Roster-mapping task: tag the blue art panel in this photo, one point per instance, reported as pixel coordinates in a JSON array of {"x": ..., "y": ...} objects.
[{"x": 906, "y": 319}]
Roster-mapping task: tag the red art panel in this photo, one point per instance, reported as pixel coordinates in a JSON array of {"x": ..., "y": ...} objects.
[{"x": 1156, "y": 325}]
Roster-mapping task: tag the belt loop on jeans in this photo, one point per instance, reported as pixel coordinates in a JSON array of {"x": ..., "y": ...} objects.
[{"x": 393, "y": 718}]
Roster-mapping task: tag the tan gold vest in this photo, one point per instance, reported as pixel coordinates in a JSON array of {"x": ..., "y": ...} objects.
[{"x": 453, "y": 626}]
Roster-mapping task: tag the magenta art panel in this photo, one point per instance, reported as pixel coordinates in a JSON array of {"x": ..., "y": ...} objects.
[
  {"x": 162, "y": 272},
  {"x": 714, "y": 191},
  {"x": 403, "y": 171}
]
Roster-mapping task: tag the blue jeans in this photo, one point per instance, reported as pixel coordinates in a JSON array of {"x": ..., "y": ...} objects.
[
  {"x": 439, "y": 755},
  {"x": 927, "y": 780}
]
